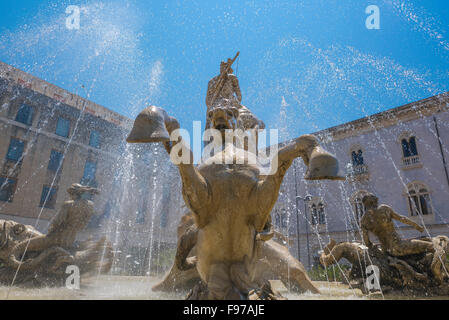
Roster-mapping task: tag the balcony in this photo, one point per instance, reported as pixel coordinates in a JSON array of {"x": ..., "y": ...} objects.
[
  {"x": 357, "y": 172},
  {"x": 411, "y": 162}
]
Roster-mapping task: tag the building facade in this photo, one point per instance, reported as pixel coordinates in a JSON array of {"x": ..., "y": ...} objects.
[
  {"x": 51, "y": 138},
  {"x": 401, "y": 155}
]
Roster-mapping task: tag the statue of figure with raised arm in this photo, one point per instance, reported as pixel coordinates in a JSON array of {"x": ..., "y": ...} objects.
[
  {"x": 379, "y": 220},
  {"x": 405, "y": 265},
  {"x": 223, "y": 91},
  {"x": 71, "y": 219},
  {"x": 42, "y": 258}
]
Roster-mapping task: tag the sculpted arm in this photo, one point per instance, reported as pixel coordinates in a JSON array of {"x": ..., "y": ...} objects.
[
  {"x": 236, "y": 87},
  {"x": 405, "y": 220},
  {"x": 195, "y": 189},
  {"x": 267, "y": 193},
  {"x": 268, "y": 188}
]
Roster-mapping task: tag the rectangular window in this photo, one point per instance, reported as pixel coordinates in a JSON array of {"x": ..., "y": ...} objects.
[
  {"x": 55, "y": 160},
  {"x": 7, "y": 188},
  {"x": 25, "y": 114},
  {"x": 48, "y": 197},
  {"x": 90, "y": 169},
  {"x": 94, "y": 140},
  {"x": 63, "y": 127},
  {"x": 15, "y": 150}
]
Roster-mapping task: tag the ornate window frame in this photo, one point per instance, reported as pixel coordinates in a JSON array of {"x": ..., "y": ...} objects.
[
  {"x": 358, "y": 171},
  {"x": 412, "y": 161},
  {"x": 317, "y": 212},
  {"x": 418, "y": 197}
]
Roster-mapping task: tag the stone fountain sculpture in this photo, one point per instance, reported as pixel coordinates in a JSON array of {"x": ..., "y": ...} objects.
[
  {"x": 228, "y": 197},
  {"x": 30, "y": 258},
  {"x": 415, "y": 266},
  {"x": 275, "y": 261}
]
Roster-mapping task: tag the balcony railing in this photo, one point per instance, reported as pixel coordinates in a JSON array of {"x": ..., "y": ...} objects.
[
  {"x": 411, "y": 161},
  {"x": 360, "y": 169},
  {"x": 357, "y": 172}
]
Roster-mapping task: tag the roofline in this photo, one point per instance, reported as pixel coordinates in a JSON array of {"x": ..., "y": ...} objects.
[
  {"x": 409, "y": 111},
  {"x": 52, "y": 91}
]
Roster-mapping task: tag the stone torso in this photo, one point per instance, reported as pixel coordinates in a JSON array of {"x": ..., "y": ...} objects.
[
  {"x": 227, "y": 93},
  {"x": 379, "y": 222},
  {"x": 229, "y": 233},
  {"x": 77, "y": 216}
]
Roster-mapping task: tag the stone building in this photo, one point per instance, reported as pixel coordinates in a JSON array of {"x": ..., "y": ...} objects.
[
  {"x": 51, "y": 138},
  {"x": 401, "y": 155}
]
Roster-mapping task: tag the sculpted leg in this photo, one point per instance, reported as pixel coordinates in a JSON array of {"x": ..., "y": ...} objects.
[
  {"x": 414, "y": 246},
  {"x": 39, "y": 243}
]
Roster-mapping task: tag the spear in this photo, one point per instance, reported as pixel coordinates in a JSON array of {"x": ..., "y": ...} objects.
[{"x": 221, "y": 79}]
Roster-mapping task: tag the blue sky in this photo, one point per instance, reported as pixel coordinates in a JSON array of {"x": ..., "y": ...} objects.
[{"x": 303, "y": 66}]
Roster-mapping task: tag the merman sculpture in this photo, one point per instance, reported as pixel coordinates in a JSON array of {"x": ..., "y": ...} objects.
[
  {"x": 31, "y": 258},
  {"x": 228, "y": 196},
  {"x": 275, "y": 262},
  {"x": 405, "y": 265}
]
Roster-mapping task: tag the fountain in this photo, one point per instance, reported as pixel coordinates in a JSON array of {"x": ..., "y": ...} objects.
[
  {"x": 335, "y": 81},
  {"x": 229, "y": 199}
]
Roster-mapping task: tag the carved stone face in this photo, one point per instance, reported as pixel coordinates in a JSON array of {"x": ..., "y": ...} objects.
[
  {"x": 12, "y": 233},
  {"x": 223, "y": 118},
  {"x": 370, "y": 201}
]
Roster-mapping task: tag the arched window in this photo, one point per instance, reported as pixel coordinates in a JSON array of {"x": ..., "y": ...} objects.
[
  {"x": 321, "y": 214},
  {"x": 409, "y": 147},
  {"x": 317, "y": 213},
  {"x": 410, "y": 156},
  {"x": 357, "y": 205},
  {"x": 412, "y": 146},
  {"x": 357, "y": 168},
  {"x": 408, "y": 144},
  {"x": 357, "y": 157},
  {"x": 280, "y": 218},
  {"x": 314, "y": 214},
  {"x": 418, "y": 198}
]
